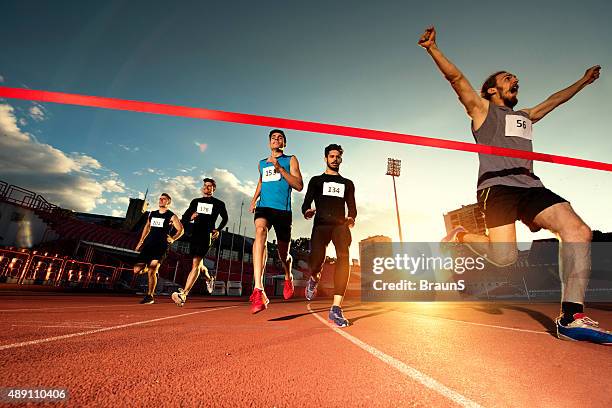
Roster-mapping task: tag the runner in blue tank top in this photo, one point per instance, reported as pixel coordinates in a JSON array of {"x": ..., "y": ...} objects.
[
  {"x": 279, "y": 174},
  {"x": 508, "y": 190}
]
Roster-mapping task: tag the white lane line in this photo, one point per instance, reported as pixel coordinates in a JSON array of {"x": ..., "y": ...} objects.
[
  {"x": 121, "y": 326},
  {"x": 402, "y": 367},
  {"x": 480, "y": 324}
]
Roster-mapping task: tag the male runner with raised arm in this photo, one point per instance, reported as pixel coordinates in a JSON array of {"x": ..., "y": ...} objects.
[
  {"x": 202, "y": 213},
  {"x": 279, "y": 174},
  {"x": 331, "y": 194},
  {"x": 154, "y": 243},
  {"x": 508, "y": 190}
]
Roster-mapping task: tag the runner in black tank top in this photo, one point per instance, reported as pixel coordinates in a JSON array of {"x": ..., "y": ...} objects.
[
  {"x": 508, "y": 189},
  {"x": 154, "y": 243},
  {"x": 202, "y": 214},
  {"x": 331, "y": 193}
]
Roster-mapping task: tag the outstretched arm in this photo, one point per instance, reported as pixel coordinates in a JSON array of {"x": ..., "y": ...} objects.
[
  {"x": 475, "y": 106},
  {"x": 539, "y": 111}
]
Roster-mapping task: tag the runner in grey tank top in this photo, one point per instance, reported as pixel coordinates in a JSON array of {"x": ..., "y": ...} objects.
[
  {"x": 508, "y": 190},
  {"x": 504, "y": 127}
]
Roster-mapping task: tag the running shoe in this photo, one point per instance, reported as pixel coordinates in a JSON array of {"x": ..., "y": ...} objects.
[
  {"x": 259, "y": 301},
  {"x": 583, "y": 329},
  {"x": 311, "y": 289},
  {"x": 147, "y": 300},
  {"x": 179, "y": 298},
  {"x": 210, "y": 284},
  {"x": 288, "y": 289},
  {"x": 336, "y": 317},
  {"x": 452, "y": 235}
]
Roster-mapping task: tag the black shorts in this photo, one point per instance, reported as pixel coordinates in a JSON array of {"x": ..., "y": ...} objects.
[
  {"x": 279, "y": 219},
  {"x": 503, "y": 205},
  {"x": 200, "y": 244},
  {"x": 152, "y": 251}
]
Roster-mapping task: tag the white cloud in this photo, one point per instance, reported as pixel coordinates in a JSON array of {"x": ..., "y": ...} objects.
[
  {"x": 101, "y": 201},
  {"x": 63, "y": 179},
  {"x": 37, "y": 113},
  {"x": 129, "y": 149},
  {"x": 113, "y": 186},
  {"x": 117, "y": 213},
  {"x": 121, "y": 200}
]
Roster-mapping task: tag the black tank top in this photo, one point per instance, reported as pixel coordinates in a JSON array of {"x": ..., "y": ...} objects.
[{"x": 160, "y": 226}]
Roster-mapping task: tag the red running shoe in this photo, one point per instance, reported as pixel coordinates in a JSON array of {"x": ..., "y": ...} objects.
[
  {"x": 288, "y": 289},
  {"x": 259, "y": 301}
]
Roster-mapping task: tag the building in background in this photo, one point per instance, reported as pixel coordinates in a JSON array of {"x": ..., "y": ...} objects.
[{"x": 468, "y": 216}]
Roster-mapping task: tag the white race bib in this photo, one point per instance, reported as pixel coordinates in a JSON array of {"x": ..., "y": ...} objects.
[
  {"x": 204, "y": 208},
  {"x": 333, "y": 189},
  {"x": 157, "y": 222},
  {"x": 519, "y": 126},
  {"x": 269, "y": 174}
]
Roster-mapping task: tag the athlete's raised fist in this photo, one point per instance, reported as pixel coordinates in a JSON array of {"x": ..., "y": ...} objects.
[
  {"x": 274, "y": 161},
  {"x": 592, "y": 74},
  {"x": 428, "y": 38},
  {"x": 309, "y": 213}
]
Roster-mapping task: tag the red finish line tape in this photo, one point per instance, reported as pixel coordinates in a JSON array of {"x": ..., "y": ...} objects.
[{"x": 268, "y": 121}]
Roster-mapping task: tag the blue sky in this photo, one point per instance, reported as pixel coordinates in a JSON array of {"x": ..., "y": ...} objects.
[{"x": 351, "y": 63}]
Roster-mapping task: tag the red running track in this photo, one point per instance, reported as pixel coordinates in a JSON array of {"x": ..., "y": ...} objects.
[{"x": 109, "y": 351}]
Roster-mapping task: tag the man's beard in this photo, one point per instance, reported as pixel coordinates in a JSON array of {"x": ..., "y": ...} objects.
[
  {"x": 329, "y": 166},
  {"x": 511, "y": 102}
]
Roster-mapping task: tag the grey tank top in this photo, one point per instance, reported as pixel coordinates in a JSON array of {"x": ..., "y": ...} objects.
[{"x": 504, "y": 127}]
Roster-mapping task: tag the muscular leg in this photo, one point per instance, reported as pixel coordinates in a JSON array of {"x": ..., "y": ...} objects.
[
  {"x": 341, "y": 237},
  {"x": 152, "y": 271},
  {"x": 140, "y": 268},
  {"x": 285, "y": 258},
  {"x": 574, "y": 249},
  {"x": 498, "y": 247},
  {"x": 193, "y": 274},
  {"x": 319, "y": 239},
  {"x": 259, "y": 251}
]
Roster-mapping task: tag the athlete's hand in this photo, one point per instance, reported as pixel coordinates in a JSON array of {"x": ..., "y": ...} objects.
[
  {"x": 592, "y": 74},
  {"x": 252, "y": 206},
  {"x": 169, "y": 239},
  {"x": 350, "y": 222},
  {"x": 215, "y": 234},
  {"x": 309, "y": 213},
  {"x": 275, "y": 162},
  {"x": 428, "y": 39},
  {"x": 194, "y": 216}
]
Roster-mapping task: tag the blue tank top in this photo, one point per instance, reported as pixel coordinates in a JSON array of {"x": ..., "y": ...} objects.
[{"x": 275, "y": 191}]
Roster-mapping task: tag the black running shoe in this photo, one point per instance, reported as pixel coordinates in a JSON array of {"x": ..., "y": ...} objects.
[{"x": 147, "y": 300}]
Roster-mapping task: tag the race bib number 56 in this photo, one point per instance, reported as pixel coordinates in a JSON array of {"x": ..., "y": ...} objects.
[{"x": 519, "y": 126}]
